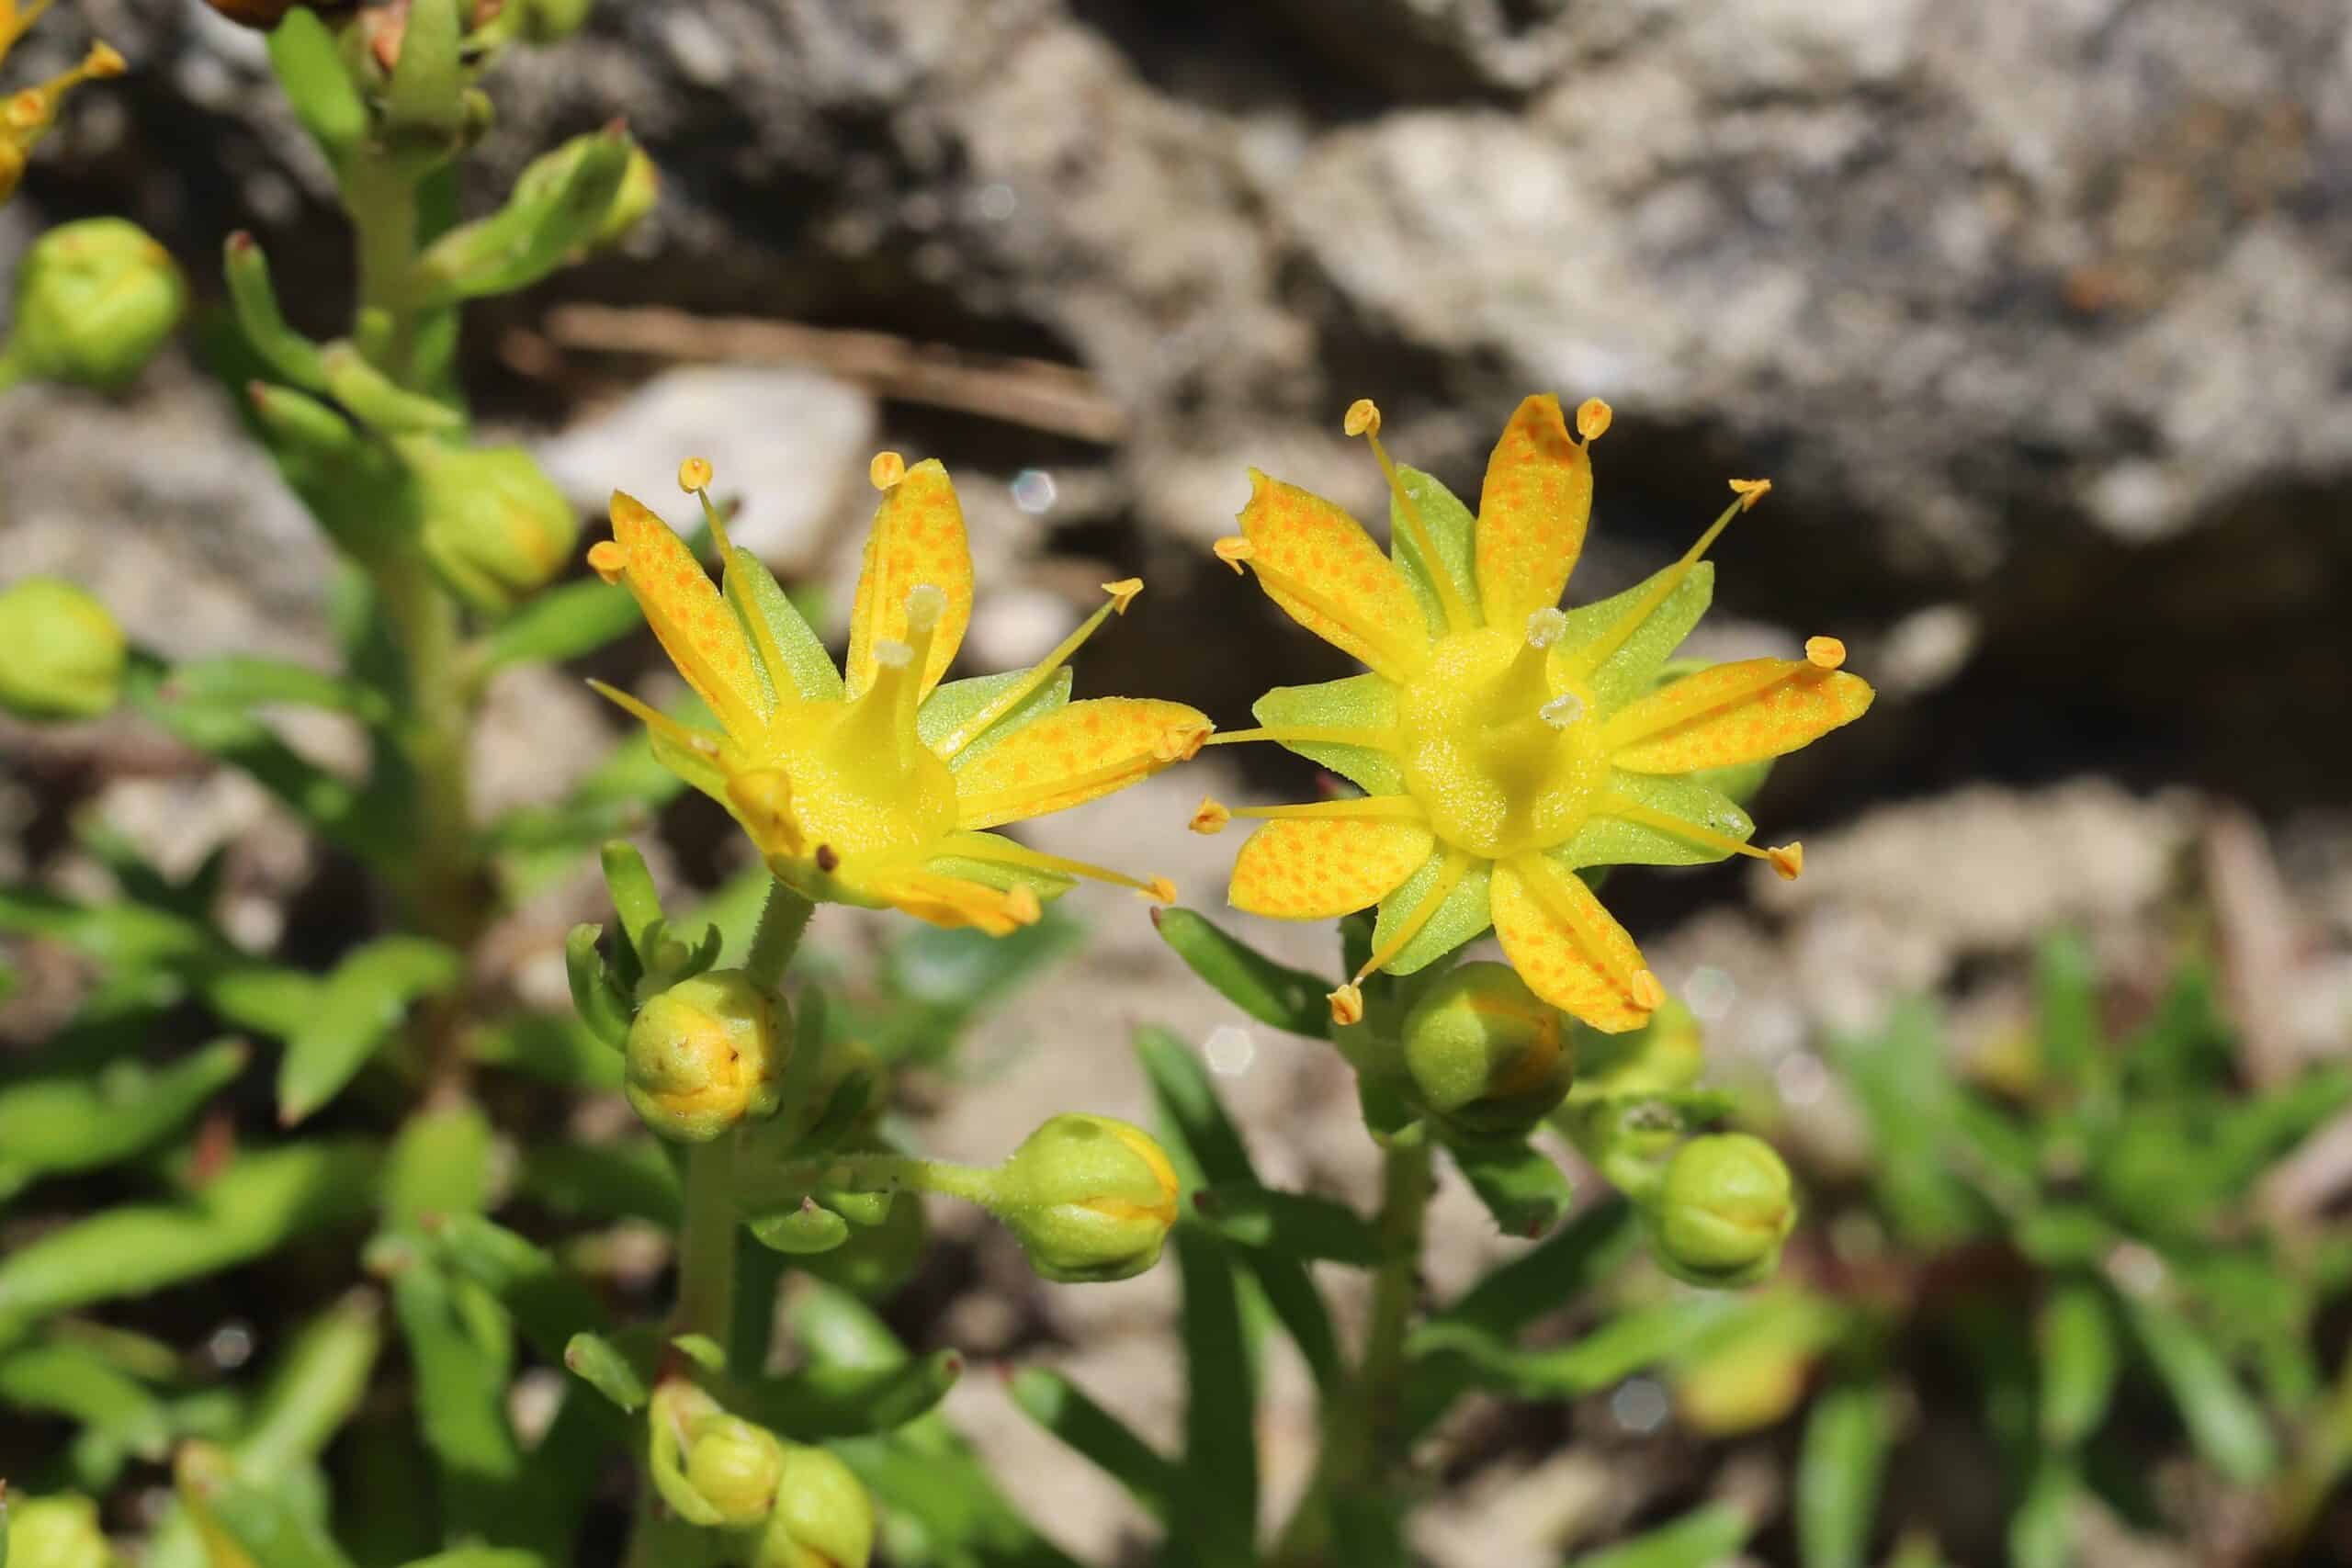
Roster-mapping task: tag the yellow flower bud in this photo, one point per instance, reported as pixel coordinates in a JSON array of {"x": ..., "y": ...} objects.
[
  {"x": 735, "y": 1467},
  {"x": 1089, "y": 1198},
  {"x": 64, "y": 652},
  {"x": 495, "y": 526},
  {"x": 1722, "y": 1210},
  {"x": 1486, "y": 1054},
  {"x": 706, "y": 1054},
  {"x": 55, "y": 1532},
  {"x": 95, "y": 301},
  {"x": 822, "y": 1516}
]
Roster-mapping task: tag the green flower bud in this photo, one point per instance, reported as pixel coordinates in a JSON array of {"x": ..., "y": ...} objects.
[
  {"x": 1088, "y": 1199},
  {"x": 95, "y": 301},
  {"x": 1486, "y": 1054},
  {"x": 546, "y": 21},
  {"x": 64, "y": 652},
  {"x": 706, "y": 1054},
  {"x": 1722, "y": 1210},
  {"x": 822, "y": 1519},
  {"x": 495, "y": 526},
  {"x": 55, "y": 1532},
  {"x": 1666, "y": 1056},
  {"x": 735, "y": 1467}
]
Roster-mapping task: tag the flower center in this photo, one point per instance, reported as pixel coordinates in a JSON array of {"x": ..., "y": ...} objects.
[{"x": 1501, "y": 756}]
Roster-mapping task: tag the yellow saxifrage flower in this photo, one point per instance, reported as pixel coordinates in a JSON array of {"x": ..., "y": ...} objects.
[
  {"x": 873, "y": 786},
  {"x": 26, "y": 114},
  {"x": 1503, "y": 744}
]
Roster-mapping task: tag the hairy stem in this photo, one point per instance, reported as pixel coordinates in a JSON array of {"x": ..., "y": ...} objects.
[
  {"x": 783, "y": 918},
  {"x": 707, "y": 1247}
]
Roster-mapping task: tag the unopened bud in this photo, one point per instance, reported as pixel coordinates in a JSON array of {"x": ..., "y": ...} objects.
[
  {"x": 1089, "y": 1198},
  {"x": 95, "y": 299},
  {"x": 1486, "y": 1054},
  {"x": 735, "y": 1467},
  {"x": 64, "y": 653},
  {"x": 1722, "y": 1210},
  {"x": 822, "y": 1516},
  {"x": 54, "y": 1532},
  {"x": 495, "y": 526},
  {"x": 706, "y": 1055}
]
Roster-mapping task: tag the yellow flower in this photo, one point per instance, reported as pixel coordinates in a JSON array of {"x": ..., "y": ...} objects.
[
  {"x": 25, "y": 115},
  {"x": 872, "y": 787},
  {"x": 1503, "y": 744}
]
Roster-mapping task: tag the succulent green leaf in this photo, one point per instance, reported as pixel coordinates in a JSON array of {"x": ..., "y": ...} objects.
[
  {"x": 1523, "y": 1188},
  {"x": 364, "y": 997},
  {"x": 2225, "y": 1422},
  {"x": 1466, "y": 913},
  {"x": 317, "y": 84},
  {"x": 96, "y": 1120},
  {"x": 315, "y": 1388},
  {"x": 1629, "y": 673},
  {"x": 1633, "y": 1340},
  {"x": 1295, "y": 1225},
  {"x": 1453, "y": 531},
  {"x": 604, "y": 1366},
  {"x": 1358, "y": 701},
  {"x": 460, "y": 1394},
  {"x": 382, "y": 402},
  {"x": 286, "y": 351},
  {"x": 243, "y": 681},
  {"x": 2081, "y": 1355},
  {"x": 819, "y": 1402},
  {"x": 563, "y": 622},
  {"x": 1066, "y": 1411},
  {"x": 1700, "y": 1539},
  {"x": 439, "y": 1167},
  {"x": 1840, "y": 1473},
  {"x": 62, "y": 1378},
  {"x": 1271, "y": 993}
]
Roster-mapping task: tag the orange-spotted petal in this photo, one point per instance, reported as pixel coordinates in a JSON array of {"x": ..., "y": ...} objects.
[
  {"x": 1319, "y": 565},
  {"x": 1726, "y": 714},
  {"x": 1569, "y": 950},
  {"x": 1074, "y": 754},
  {"x": 1531, "y": 514},
  {"x": 918, "y": 537},
  {"x": 1309, "y": 868},
  {"x": 696, "y": 629}
]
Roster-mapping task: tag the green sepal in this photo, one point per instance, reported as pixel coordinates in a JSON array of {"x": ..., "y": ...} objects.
[
  {"x": 615, "y": 1367},
  {"x": 753, "y": 590},
  {"x": 1451, "y": 530},
  {"x": 297, "y": 426},
  {"x": 1003, "y": 875},
  {"x": 950, "y": 704},
  {"x": 317, "y": 84},
  {"x": 1366, "y": 702},
  {"x": 600, "y": 1000},
  {"x": 1629, "y": 673},
  {"x": 426, "y": 93},
  {"x": 1270, "y": 992},
  {"x": 1467, "y": 911},
  {"x": 1612, "y": 841}
]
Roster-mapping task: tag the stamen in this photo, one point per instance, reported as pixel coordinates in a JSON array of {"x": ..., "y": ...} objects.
[
  {"x": 1211, "y": 817},
  {"x": 1633, "y": 811},
  {"x": 1593, "y": 418},
  {"x": 1649, "y": 994},
  {"x": 10, "y": 31},
  {"x": 1328, "y": 734},
  {"x": 1180, "y": 745},
  {"x": 1788, "y": 860},
  {"x": 1347, "y": 1004},
  {"x": 1593, "y": 654},
  {"x": 1690, "y": 698},
  {"x": 988, "y": 808},
  {"x": 887, "y": 470},
  {"x": 1750, "y": 492},
  {"x": 1449, "y": 876},
  {"x": 694, "y": 477},
  {"x": 1561, "y": 711},
  {"x": 1545, "y": 880},
  {"x": 1123, "y": 594},
  {"x": 1363, "y": 419},
  {"x": 1362, "y": 807},
  {"x": 1020, "y": 903},
  {"x": 998, "y": 851},
  {"x": 1544, "y": 626},
  {"x": 33, "y": 109},
  {"x": 1825, "y": 653},
  {"x": 608, "y": 560},
  {"x": 695, "y": 474},
  {"x": 659, "y": 722},
  {"x": 1233, "y": 550}
]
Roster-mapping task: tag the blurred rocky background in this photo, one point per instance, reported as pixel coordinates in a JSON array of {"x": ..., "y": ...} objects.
[{"x": 2039, "y": 316}]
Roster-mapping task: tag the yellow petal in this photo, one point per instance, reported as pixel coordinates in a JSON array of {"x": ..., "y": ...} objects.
[
  {"x": 1313, "y": 868},
  {"x": 698, "y": 630},
  {"x": 1319, "y": 565},
  {"x": 1531, "y": 514},
  {"x": 918, "y": 537},
  {"x": 1569, "y": 950},
  {"x": 1735, "y": 713},
  {"x": 1074, "y": 754}
]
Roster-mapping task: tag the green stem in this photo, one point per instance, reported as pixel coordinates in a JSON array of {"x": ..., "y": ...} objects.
[
  {"x": 445, "y": 879},
  {"x": 381, "y": 201},
  {"x": 1364, "y": 1427},
  {"x": 781, "y": 920},
  {"x": 783, "y": 1183},
  {"x": 706, "y": 1246}
]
